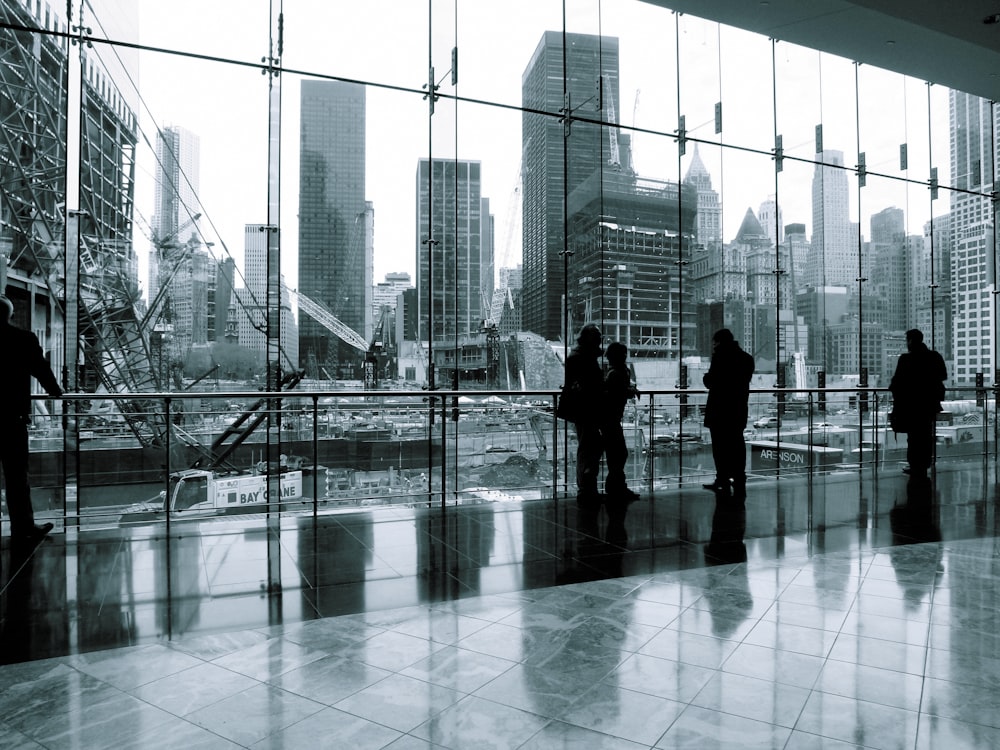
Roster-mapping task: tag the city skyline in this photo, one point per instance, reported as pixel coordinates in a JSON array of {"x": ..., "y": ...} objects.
[
  {"x": 636, "y": 28},
  {"x": 596, "y": 95}
]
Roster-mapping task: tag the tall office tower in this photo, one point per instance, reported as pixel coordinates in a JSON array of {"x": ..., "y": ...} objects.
[
  {"x": 591, "y": 80},
  {"x": 386, "y": 293},
  {"x": 335, "y": 223},
  {"x": 930, "y": 283},
  {"x": 972, "y": 273},
  {"x": 177, "y": 264},
  {"x": 822, "y": 308},
  {"x": 176, "y": 201},
  {"x": 708, "y": 234},
  {"x": 449, "y": 294},
  {"x": 251, "y": 307},
  {"x": 832, "y": 256},
  {"x": 220, "y": 299},
  {"x": 798, "y": 249},
  {"x": 777, "y": 333},
  {"x": 888, "y": 281},
  {"x": 770, "y": 218},
  {"x": 487, "y": 260}
]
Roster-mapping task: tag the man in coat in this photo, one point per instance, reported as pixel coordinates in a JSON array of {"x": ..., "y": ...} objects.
[
  {"x": 23, "y": 359},
  {"x": 585, "y": 389},
  {"x": 917, "y": 388},
  {"x": 726, "y": 411}
]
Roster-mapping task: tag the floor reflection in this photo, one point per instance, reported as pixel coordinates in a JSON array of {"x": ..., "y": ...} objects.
[{"x": 127, "y": 586}]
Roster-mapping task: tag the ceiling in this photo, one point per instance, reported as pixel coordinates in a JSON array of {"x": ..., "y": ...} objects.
[{"x": 939, "y": 41}]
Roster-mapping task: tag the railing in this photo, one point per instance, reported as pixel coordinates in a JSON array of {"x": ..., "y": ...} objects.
[{"x": 322, "y": 452}]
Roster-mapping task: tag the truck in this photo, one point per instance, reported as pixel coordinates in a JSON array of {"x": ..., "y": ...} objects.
[{"x": 206, "y": 492}]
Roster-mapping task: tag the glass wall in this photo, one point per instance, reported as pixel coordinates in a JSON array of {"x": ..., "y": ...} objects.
[{"x": 402, "y": 213}]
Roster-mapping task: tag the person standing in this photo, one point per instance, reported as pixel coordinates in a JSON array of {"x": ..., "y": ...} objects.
[
  {"x": 727, "y": 409},
  {"x": 24, "y": 360},
  {"x": 619, "y": 389},
  {"x": 584, "y": 389},
  {"x": 917, "y": 389}
]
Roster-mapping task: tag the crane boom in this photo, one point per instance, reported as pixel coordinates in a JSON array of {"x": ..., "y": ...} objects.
[
  {"x": 331, "y": 322},
  {"x": 615, "y": 159}
]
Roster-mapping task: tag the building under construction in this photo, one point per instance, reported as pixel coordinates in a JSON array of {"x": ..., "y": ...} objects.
[{"x": 72, "y": 275}]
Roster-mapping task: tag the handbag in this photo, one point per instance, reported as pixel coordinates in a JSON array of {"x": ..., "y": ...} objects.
[{"x": 568, "y": 407}]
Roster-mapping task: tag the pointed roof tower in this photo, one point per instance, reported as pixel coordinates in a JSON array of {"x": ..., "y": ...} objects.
[
  {"x": 697, "y": 175},
  {"x": 751, "y": 230}
]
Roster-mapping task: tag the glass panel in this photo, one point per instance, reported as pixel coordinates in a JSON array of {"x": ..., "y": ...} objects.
[
  {"x": 882, "y": 119},
  {"x": 971, "y": 261},
  {"x": 799, "y": 100},
  {"x": 496, "y": 42},
  {"x": 172, "y": 199},
  {"x": 156, "y": 286},
  {"x": 34, "y": 194},
  {"x": 170, "y": 27},
  {"x": 747, "y": 89},
  {"x": 381, "y": 44}
]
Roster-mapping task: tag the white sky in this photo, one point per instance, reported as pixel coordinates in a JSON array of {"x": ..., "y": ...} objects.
[{"x": 386, "y": 42}]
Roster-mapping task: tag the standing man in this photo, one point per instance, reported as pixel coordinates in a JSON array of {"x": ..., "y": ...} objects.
[
  {"x": 23, "y": 360},
  {"x": 917, "y": 389},
  {"x": 584, "y": 390},
  {"x": 726, "y": 411}
]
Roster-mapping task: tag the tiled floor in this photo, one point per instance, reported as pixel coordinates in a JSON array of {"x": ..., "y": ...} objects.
[{"x": 846, "y": 612}]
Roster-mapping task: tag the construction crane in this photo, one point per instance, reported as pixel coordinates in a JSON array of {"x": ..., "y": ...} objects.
[
  {"x": 322, "y": 315},
  {"x": 216, "y": 456},
  {"x": 381, "y": 355},
  {"x": 500, "y": 293},
  {"x": 161, "y": 248},
  {"x": 615, "y": 159}
]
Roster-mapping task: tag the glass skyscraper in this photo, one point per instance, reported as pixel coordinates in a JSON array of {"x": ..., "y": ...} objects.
[
  {"x": 589, "y": 89},
  {"x": 335, "y": 243}
]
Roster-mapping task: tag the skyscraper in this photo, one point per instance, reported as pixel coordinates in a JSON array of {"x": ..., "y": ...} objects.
[
  {"x": 177, "y": 264},
  {"x": 832, "y": 258},
  {"x": 335, "y": 223},
  {"x": 591, "y": 80},
  {"x": 888, "y": 283},
  {"x": 451, "y": 286},
  {"x": 251, "y": 310},
  {"x": 972, "y": 264},
  {"x": 178, "y": 164},
  {"x": 709, "y": 227},
  {"x": 770, "y": 217}
]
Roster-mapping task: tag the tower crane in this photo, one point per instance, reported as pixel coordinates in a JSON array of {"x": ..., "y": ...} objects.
[
  {"x": 500, "y": 293},
  {"x": 161, "y": 246},
  {"x": 615, "y": 159}
]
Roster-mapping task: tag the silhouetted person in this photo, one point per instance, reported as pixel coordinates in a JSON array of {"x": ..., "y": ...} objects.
[
  {"x": 618, "y": 390},
  {"x": 726, "y": 411},
  {"x": 584, "y": 391},
  {"x": 917, "y": 389},
  {"x": 23, "y": 359}
]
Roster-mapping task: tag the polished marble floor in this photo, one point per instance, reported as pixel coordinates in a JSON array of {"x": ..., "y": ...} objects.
[{"x": 853, "y": 610}]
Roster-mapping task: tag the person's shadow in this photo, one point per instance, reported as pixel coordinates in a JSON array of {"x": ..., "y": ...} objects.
[
  {"x": 917, "y": 569},
  {"x": 729, "y": 598},
  {"x": 913, "y": 522},
  {"x": 729, "y": 526},
  {"x": 599, "y": 552},
  {"x": 15, "y": 625}
]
